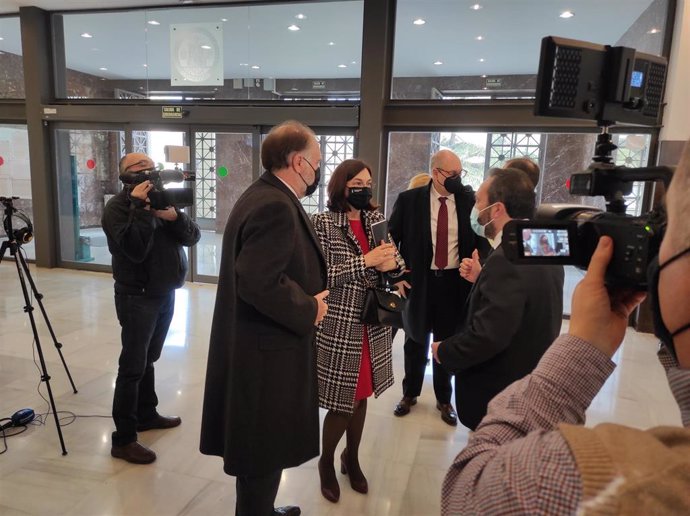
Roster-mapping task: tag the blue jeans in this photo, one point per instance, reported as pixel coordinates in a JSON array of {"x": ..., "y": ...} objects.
[{"x": 145, "y": 321}]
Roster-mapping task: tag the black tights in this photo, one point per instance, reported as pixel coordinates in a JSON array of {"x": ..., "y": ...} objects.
[{"x": 334, "y": 426}]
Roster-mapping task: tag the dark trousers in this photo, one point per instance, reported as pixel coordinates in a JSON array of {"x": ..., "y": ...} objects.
[
  {"x": 257, "y": 494},
  {"x": 445, "y": 313},
  {"x": 145, "y": 321}
]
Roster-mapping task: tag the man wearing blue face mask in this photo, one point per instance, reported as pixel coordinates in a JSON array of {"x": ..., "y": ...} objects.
[
  {"x": 514, "y": 312},
  {"x": 532, "y": 455},
  {"x": 431, "y": 228}
]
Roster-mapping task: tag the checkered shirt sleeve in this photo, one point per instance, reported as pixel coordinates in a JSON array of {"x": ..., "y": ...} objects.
[
  {"x": 679, "y": 381},
  {"x": 517, "y": 462}
]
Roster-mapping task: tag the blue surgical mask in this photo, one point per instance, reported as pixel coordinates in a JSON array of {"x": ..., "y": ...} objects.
[{"x": 477, "y": 227}]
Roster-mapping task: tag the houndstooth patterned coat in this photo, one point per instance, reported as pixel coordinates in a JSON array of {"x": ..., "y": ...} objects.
[{"x": 339, "y": 336}]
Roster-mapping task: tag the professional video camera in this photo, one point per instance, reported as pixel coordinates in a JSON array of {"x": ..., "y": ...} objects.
[
  {"x": 607, "y": 84},
  {"x": 159, "y": 196}
]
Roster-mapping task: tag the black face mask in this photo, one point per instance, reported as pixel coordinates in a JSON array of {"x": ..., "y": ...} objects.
[
  {"x": 311, "y": 188},
  {"x": 359, "y": 198},
  {"x": 453, "y": 184},
  {"x": 660, "y": 329}
]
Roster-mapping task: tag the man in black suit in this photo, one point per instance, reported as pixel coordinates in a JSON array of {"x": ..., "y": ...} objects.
[
  {"x": 431, "y": 227},
  {"x": 515, "y": 311},
  {"x": 260, "y": 408}
]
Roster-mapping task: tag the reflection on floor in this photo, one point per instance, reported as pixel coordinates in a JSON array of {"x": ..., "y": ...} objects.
[{"x": 405, "y": 459}]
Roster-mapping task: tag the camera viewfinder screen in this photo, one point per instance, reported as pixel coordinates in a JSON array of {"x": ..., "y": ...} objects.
[
  {"x": 545, "y": 242},
  {"x": 636, "y": 79}
]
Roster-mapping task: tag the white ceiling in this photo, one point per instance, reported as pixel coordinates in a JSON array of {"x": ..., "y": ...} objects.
[{"x": 123, "y": 41}]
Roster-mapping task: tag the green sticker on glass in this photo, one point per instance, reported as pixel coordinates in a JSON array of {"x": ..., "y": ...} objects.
[{"x": 222, "y": 171}]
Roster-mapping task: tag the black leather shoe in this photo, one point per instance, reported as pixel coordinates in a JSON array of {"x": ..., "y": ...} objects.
[
  {"x": 135, "y": 453},
  {"x": 288, "y": 510},
  {"x": 159, "y": 423},
  {"x": 403, "y": 408},
  {"x": 447, "y": 413}
]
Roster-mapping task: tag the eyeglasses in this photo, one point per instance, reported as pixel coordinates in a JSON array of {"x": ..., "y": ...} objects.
[{"x": 453, "y": 173}]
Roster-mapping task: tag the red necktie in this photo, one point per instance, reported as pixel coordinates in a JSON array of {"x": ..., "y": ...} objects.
[{"x": 441, "y": 259}]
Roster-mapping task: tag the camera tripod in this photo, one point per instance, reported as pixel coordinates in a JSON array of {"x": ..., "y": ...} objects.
[{"x": 24, "y": 274}]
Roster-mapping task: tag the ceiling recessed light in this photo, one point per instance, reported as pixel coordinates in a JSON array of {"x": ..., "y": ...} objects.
[
  {"x": 481, "y": 59},
  {"x": 567, "y": 14},
  {"x": 342, "y": 66},
  {"x": 86, "y": 35},
  {"x": 652, "y": 31},
  {"x": 293, "y": 27},
  {"x": 244, "y": 64},
  {"x": 153, "y": 22},
  {"x": 103, "y": 69},
  {"x": 223, "y": 19},
  {"x": 301, "y": 16},
  {"x": 293, "y": 89},
  {"x": 479, "y": 38},
  {"x": 1, "y": 38},
  {"x": 419, "y": 21},
  {"x": 483, "y": 76},
  {"x": 475, "y": 7},
  {"x": 354, "y": 62},
  {"x": 206, "y": 47},
  {"x": 331, "y": 43},
  {"x": 255, "y": 67},
  {"x": 145, "y": 65},
  {"x": 438, "y": 63}
]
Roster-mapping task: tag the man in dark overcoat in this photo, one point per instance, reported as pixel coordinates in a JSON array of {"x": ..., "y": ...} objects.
[{"x": 260, "y": 409}]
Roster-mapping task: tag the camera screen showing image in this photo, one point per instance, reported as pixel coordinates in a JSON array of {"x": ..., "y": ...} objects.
[{"x": 545, "y": 242}]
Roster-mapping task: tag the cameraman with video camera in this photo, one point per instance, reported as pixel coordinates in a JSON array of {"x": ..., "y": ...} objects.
[
  {"x": 148, "y": 265},
  {"x": 531, "y": 454}
]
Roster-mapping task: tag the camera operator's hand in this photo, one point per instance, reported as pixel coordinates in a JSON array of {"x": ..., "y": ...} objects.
[
  {"x": 598, "y": 316},
  {"x": 141, "y": 191},
  {"x": 169, "y": 214}
]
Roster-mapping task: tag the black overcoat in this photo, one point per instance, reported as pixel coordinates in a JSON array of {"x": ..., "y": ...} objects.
[
  {"x": 260, "y": 409},
  {"x": 410, "y": 227}
]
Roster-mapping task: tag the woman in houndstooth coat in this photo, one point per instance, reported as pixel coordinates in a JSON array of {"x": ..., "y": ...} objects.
[{"x": 354, "y": 360}]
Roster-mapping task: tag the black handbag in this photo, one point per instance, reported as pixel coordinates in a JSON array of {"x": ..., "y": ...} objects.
[{"x": 382, "y": 307}]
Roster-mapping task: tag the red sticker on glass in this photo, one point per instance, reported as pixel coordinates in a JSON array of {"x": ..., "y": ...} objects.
[
  {"x": 90, "y": 164},
  {"x": 2, "y": 161}
]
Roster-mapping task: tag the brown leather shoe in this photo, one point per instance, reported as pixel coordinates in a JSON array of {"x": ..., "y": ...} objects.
[
  {"x": 135, "y": 452},
  {"x": 288, "y": 510},
  {"x": 159, "y": 423},
  {"x": 403, "y": 408},
  {"x": 447, "y": 413}
]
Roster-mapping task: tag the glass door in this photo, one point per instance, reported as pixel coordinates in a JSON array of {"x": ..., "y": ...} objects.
[{"x": 225, "y": 162}]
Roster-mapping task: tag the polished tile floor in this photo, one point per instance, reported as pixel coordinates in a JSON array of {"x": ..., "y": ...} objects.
[{"x": 405, "y": 459}]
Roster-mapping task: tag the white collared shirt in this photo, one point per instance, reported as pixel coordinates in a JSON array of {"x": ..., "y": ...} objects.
[
  {"x": 453, "y": 240},
  {"x": 290, "y": 188}
]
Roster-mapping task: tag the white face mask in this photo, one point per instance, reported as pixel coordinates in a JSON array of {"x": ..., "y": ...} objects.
[{"x": 477, "y": 227}]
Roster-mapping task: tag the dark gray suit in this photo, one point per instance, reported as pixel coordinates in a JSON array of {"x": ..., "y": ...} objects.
[{"x": 514, "y": 314}]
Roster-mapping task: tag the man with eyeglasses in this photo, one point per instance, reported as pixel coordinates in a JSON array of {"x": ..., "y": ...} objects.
[
  {"x": 260, "y": 410},
  {"x": 148, "y": 265},
  {"x": 431, "y": 227}
]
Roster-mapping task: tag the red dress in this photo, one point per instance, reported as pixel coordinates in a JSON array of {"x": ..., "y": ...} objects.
[{"x": 365, "y": 384}]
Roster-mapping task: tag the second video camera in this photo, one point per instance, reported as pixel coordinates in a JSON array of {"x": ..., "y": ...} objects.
[{"x": 582, "y": 80}]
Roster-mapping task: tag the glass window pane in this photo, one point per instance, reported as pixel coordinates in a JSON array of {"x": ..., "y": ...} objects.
[
  {"x": 292, "y": 51},
  {"x": 11, "y": 64},
  {"x": 334, "y": 150},
  {"x": 558, "y": 154},
  {"x": 15, "y": 176},
  {"x": 87, "y": 172},
  {"x": 446, "y": 50}
]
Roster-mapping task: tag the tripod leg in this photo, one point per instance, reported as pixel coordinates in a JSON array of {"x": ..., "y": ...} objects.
[
  {"x": 45, "y": 377},
  {"x": 39, "y": 297}
]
